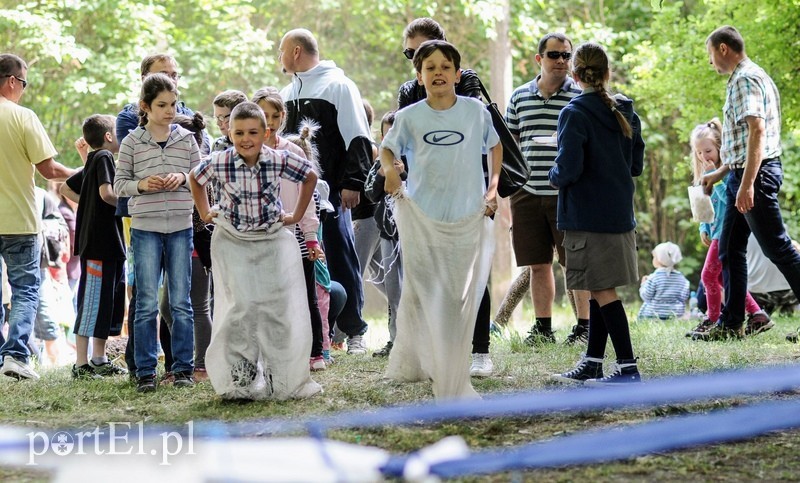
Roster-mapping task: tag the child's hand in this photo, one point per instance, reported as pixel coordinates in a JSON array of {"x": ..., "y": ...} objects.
[
  {"x": 399, "y": 166},
  {"x": 392, "y": 184},
  {"x": 209, "y": 217},
  {"x": 173, "y": 181},
  {"x": 706, "y": 239},
  {"x": 491, "y": 204},
  {"x": 289, "y": 219},
  {"x": 151, "y": 183},
  {"x": 83, "y": 148},
  {"x": 315, "y": 251}
]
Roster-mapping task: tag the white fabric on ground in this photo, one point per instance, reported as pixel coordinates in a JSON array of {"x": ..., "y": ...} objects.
[
  {"x": 261, "y": 336},
  {"x": 445, "y": 270}
]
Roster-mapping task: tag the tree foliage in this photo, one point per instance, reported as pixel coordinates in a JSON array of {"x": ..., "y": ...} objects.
[{"x": 84, "y": 58}]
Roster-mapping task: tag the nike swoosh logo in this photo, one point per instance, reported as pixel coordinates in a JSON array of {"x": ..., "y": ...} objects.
[{"x": 437, "y": 139}]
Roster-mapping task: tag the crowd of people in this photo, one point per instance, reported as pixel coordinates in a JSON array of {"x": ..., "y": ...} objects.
[{"x": 244, "y": 256}]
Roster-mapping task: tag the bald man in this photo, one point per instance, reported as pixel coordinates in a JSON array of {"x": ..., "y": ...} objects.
[{"x": 320, "y": 91}]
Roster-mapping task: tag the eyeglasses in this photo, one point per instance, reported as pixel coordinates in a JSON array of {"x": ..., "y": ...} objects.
[
  {"x": 409, "y": 53},
  {"x": 24, "y": 82},
  {"x": 222, "y": 118},
  {"x": 555, "y": 55}
]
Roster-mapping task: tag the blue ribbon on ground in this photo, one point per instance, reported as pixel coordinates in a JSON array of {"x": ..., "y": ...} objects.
[{"x": 653, "y": 392}]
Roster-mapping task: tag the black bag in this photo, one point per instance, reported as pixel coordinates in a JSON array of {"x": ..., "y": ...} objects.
[{"x": 514, "y": 172}]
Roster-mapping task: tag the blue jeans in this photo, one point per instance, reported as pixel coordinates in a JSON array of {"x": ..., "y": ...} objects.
[
  {"x": 173, "y": 252},
  {"x": 21, "y": 254},
  {"x": 337, "y": 234},
  {"x": 766, "y": 223}
]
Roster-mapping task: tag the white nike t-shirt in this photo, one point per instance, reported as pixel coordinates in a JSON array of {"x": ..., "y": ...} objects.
[{"x": 443, "y": 150}]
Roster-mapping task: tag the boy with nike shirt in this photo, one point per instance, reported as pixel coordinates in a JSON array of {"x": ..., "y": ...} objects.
[{"x": 442, "y": 219}]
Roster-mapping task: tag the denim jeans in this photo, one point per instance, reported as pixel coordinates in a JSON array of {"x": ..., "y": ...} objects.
[
  {"x": 173, "y": 252},
  {"x": 21, "y": 254},
  {"x": 766, "y": 223}
]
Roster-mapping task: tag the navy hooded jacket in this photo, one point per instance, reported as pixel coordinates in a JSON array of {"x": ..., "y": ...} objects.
[{"x": 595, "y": 165}]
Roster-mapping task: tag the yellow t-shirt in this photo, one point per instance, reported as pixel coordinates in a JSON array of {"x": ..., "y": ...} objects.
[{"x": 23, "y": 143}]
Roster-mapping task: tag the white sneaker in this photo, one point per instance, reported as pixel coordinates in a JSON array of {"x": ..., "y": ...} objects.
[
  {"x": 17, "y": 370},
  {"x": 482, "y": 365},
  {"x": 356, "y": 346}
]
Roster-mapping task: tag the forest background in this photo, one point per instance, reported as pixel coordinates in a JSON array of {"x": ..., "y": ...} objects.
[{"x": 84, "y": 58}]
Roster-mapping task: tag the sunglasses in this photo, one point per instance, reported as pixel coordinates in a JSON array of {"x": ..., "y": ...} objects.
[
  {"x": 409, "y": 53},
  {"x": 555, "y": 55},
  {"x": 222, "y": 118},
  {"x": 24, "y": 82}
]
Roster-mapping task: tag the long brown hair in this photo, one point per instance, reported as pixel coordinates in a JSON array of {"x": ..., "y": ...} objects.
[{"x": 590, "y": 64}]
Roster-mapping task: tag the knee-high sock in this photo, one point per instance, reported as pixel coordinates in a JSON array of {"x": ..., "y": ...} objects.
[
  {"x": 617, "y": 325},
  {"x": 598, "y": 333}
]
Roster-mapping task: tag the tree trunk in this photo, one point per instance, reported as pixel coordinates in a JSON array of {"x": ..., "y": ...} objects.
[{"x": 500, "y": 90}]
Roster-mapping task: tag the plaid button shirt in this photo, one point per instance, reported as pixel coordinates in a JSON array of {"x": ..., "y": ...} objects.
[
  {"x": 249, "y": 198},
  {"x": 750, "y": 92}
]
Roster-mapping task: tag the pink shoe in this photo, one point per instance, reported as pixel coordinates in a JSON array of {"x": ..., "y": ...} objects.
[{"x": 317, "y": 363}]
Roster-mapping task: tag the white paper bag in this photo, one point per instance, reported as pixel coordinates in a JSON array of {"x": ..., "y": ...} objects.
[{"x": 702, "y": 209}]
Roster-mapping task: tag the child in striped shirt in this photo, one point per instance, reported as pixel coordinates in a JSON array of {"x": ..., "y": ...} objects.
[{"x": 666, "y": 290}]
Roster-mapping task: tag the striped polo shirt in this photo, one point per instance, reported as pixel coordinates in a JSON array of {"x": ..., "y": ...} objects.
[{"x": 530, "y": 115}]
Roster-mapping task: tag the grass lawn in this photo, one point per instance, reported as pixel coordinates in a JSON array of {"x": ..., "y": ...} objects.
[{"x": 356, "y": 383}]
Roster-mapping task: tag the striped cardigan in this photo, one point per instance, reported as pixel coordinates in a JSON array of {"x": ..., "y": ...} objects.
[{"x": 139, "y": 157}]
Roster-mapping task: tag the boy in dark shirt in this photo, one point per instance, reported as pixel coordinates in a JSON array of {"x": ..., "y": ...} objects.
[{"x": 99, "y": 242}]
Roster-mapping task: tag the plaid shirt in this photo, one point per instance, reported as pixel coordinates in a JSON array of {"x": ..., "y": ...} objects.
[
  {"x": 750, "y": 92},
  {"x": 249, "y": 198}
]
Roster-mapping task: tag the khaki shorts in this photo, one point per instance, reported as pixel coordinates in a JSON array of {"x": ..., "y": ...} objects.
[
  {"x": 533, "y": 233},
  {"x": 599, "y": 261}
]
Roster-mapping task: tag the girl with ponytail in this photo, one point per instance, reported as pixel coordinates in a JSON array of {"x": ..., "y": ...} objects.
[{"x": 600, "y": 150}]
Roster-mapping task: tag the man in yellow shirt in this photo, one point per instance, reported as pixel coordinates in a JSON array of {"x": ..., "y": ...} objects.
[{"x": 26, "y": 149}]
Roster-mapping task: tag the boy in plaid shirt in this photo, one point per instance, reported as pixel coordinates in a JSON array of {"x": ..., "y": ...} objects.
[{"x": 261, "y": 336}]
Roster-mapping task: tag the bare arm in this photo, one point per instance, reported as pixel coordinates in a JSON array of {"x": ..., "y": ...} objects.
[
  {"x": 107, "y": 193},
  {"x": 200, "y": 199},
  {"x": 755, "y": 146},
  {"x": 491, "y": 191},
  {"x": 53, "y": 170},
  {"x": 69, "y": 194},
  {"x": 392, "y": 183}
]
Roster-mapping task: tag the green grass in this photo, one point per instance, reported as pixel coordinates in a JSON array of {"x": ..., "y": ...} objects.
[{"x": 357, "y": 383}]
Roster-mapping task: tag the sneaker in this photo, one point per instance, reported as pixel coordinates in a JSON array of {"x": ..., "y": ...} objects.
[
  {"x": 626, "y": 373},
  {"x": 317, "y": 363},
  {"x": 107, "y": 369},
  {"x": 183, "y": 379},
  {"x": 168, "y": 378},
  {"x": 327, "y": 357},
  {"x": 146, "y": 383},
  {"x": 84, "y": 371},
  {"x": 539, "y": 335},
  {"x": 200, "y": 374},
  {"x": 337, "y": 346},
  {"x": 719, "y": 333},
  {"x": 704, "y": 326},
  {"x": 385, "y": 351},
  {"x": 793, "y": 336},
  {"x": 587, "y": 368},
  {"x": 355, "y": 345},
  {"x": 482, "y": 365},
  {"x": 18, "y": 370},
  {"x": 579, "y": 333},
  {"x": 758, "y": 323}
]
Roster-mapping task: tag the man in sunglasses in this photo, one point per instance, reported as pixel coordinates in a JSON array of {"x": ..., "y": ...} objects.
[
  {"x": 25, "y": 146},
  {"x": 532, "y": 117}
]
